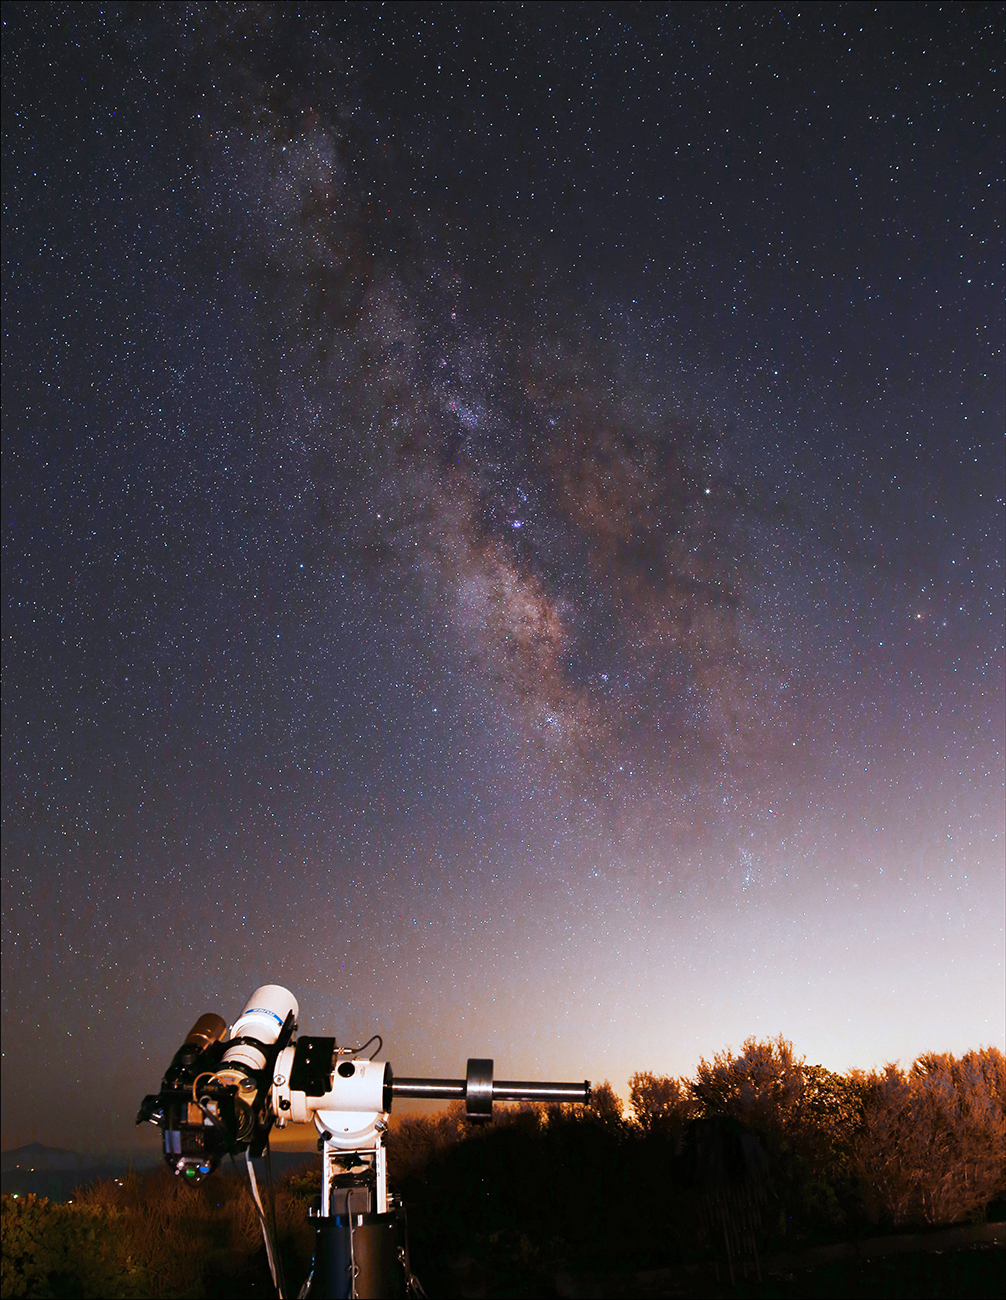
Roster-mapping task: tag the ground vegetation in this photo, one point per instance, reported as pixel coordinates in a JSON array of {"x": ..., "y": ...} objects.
[{"x": 758, "y": 1151}]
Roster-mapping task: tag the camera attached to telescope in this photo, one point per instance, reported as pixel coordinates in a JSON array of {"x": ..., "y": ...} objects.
[
  {"x": 224, "y": 1091},
  {"x": 214, "y": 1095}
]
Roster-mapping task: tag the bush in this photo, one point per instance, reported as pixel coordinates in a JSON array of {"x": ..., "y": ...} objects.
[
  {"x": 767, "y": 1088},
  {"x": 413, "y": 1142},
  {"x": 606, "y": 1104},
  {"x": 150, "y": 1235},
  {"x": 933, "y": 1142},
  {"x": 50, "y": 1249},
  {"x": 806, "y": 1116},
  {"x": 550, "y": 1183},
  {"x": 661, "y": 1105}
]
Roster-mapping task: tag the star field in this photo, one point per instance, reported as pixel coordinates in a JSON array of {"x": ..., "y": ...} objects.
[{"x": 503, "y": 533}]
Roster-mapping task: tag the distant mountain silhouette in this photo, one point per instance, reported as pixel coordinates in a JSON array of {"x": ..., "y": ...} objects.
[
  {"x": 37, "y": 1156},
  {"x": 57, "y": 1173}
]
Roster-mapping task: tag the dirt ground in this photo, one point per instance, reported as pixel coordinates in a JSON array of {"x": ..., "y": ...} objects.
[{"x": 974, "y": 1273}]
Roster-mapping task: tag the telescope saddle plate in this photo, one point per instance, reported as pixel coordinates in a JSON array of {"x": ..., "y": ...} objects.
[{"x": 313, "y": 1061}]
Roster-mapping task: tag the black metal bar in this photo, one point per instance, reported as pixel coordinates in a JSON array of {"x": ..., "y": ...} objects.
[
  {"x": 442, "y": 1089},
  {"x": 514, "y": 1090},
  {"x": 503, "y": 1090}
]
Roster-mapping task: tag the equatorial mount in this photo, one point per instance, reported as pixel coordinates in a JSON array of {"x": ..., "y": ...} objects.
[{"x": 224, "y": 1091}]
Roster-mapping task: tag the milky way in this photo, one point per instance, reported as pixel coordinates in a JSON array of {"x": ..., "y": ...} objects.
[
  {"x": 576, "y": 529},
  {"x": 503, "y": 534}
]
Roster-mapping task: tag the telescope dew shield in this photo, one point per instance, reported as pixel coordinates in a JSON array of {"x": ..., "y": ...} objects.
[
  {"x": 264, "y": 1014},
  {"x": 256, "y": 1029}
]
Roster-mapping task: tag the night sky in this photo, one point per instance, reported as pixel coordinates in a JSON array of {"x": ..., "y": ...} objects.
[{"x": 503, "y": 535}]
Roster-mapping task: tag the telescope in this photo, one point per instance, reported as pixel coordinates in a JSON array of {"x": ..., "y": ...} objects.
[{"x": 225, "y": 1090}]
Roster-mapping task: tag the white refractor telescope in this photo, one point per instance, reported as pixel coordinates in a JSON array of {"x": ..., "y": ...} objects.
[{"x": 225, "y": 1089}]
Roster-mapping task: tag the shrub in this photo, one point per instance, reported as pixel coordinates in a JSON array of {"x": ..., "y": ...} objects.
[
  {"x": 550, "y": 1182},
  {"x": 414, "y": 1141},
  {"x": 540, "y": 1181},
  {"x": 764, "y": 1082},
  {"x": 933, "y": 1143},
  {"x": 49, "y": 1248},
  {"x": 767, "y": 1088},
  {"x": 606, "y": 1104},
  {"x": 150, "y": 1235},
  {"x": 661, "y": 1105},
  {"x": 807, "y": 1118}
]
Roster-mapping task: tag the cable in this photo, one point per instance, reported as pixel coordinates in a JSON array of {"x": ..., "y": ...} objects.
[
  {"x": 352, "y": 1252},
  {"x": 413, "y": 1286},
  {"x": 206, "y": 1074},
  {"x": 358, "y": 1051},
  {"x": 272, "y": 1210},
  {"x": 266, "y": 1234}
]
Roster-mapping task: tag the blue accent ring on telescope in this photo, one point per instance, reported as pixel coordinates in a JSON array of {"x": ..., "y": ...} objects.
[{"x": 263, "y": 1011}]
